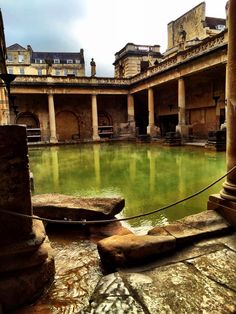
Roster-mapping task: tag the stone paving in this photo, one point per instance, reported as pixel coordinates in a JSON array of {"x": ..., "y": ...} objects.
[{"x": 197, "y": 279}]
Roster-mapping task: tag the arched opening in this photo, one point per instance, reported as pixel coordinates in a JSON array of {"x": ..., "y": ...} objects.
[
  {"x": 104, "y": 119},
  {"x": 32, "y": 124},
  {"x": 29, "y": 119},
  {"x": 67, "y": 125},
  {"x": 105, "y": 124}
]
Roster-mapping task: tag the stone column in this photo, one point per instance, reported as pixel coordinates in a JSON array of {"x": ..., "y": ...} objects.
[
  {"x": 181, "y": 127},
  {"x": 131, "y": 117},
  {"x": 151, "y": 129},
  {"x": 52, "y": 119},
  {"x": 229, "y": 191},
  {"x": 130, "y": 101},
  {"x": 96, "y": 137},
  {"x": 225, "y": 203},
  {"x": 4, "y": 107},
  {"x": 223, "y": 125},
  {"x": 26, "y": 264}
]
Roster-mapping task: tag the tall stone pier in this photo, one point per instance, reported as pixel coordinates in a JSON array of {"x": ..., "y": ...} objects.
[
  {"x": 225, "y": 202},
  {"x": 26, "y": 261}
]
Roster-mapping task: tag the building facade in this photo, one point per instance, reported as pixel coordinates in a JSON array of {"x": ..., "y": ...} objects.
[
  {"x": 25, "y": 61},
  {"x": 182, "y": 90}
]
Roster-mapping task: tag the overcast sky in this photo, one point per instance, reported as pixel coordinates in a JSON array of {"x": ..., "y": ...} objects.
[{"x": 100, "y": 27}]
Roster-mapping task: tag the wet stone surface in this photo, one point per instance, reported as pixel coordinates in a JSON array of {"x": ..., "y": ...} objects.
[{"x": 77, "y": 274}]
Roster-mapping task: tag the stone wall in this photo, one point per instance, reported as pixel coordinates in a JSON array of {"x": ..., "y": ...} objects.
[{"x": 192, "y": 23}]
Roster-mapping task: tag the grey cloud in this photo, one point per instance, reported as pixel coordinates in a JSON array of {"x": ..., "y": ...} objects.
[{"x": 42, "y": 23}]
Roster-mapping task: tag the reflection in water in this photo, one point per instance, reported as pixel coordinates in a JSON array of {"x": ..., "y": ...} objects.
[{"x": 147, "y": 176}]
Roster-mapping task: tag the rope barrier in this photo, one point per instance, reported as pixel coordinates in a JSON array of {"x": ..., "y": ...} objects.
[{"x": 90, "y": 222}]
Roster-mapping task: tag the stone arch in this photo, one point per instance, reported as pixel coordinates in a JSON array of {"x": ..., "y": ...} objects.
[
  {"x": 29, "y": 119},
  {"x": 104, "y": 118},
  {"x": 67, "y": 125}
]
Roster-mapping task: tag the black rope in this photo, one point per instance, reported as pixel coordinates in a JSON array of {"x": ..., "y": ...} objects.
[{"x": 90, "y": 222}]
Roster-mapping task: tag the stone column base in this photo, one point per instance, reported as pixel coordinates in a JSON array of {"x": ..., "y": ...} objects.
[
  {"x": 152, "y": 130},
  {"x": 26, "y": 269},
  {"x": 53, "y": 140},
  {"x": 96, "y": 138},
  {"x": 225, "y": 208},
  {"x": 183, "y": 130}
]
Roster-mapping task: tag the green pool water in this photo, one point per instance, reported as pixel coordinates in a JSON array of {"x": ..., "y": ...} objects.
[{"x": 147, "y": 176}]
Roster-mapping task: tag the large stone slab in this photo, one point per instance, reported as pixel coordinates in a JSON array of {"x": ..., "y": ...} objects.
[
  {"x": 179, "y": 288},
  {"x": 58, "y": 206},
  {"x": 195, "y": 227},
  {"x": 129, "y": 250}
]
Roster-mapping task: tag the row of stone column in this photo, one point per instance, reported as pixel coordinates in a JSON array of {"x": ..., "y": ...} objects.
[
  {"x": 181, "y": 127},
  {"x": 95, "y": 134},
  {"x": 151, "y": 128}
]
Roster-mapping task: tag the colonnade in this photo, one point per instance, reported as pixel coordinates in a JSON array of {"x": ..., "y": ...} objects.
[{"x": 151, "y": 127}]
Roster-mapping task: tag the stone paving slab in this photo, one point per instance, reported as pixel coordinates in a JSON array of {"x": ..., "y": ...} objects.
[
  {"x": 219, "y": 266},
  {"x": 196, "y": 279},
  {"x": 180, "y": 288}
]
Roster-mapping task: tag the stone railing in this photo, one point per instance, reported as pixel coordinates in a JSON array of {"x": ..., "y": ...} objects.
[
  {"x": 208, "y": 44},
  {"x": 60, "y": 80}
]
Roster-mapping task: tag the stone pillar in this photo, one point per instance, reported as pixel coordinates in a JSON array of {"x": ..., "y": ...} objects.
[
  {"x": 181, "y": 127},
  {"x": 225, "y": 203},
  {"x": 151, "y": 129},
  {"x": 4, "y": 107},
  {"x": 52, "y": 119},
  {"x": 26, "y": 264},
  {"x": 130, "y": 108},
  {"x": 131, "y": 117},
  {"x": 229, "y": 186},
  {"x": 96, "y": 137},
  {"x": 223, "y": 125}
]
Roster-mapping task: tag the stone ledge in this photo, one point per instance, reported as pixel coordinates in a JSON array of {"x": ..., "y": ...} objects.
[
  {"x": 195, "y": 227},
  {"x": 58, "y": 206}
]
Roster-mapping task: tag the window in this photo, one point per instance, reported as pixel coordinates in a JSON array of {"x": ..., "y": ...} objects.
[
  {"x": 74, "y": 71},
  {"x": 22, "y": 71},
  {"x": 10, "y": 70},
  {"x": 10, "y": 58},
  {"x": 69, "y": 61},
  {"x": 65, "y": 72},
  {"x": 56, "y": 60},
  {"x": 77, "y": 61},
  {"x": 38, "y": 61},
  {"x": 40, "y": 72},
  {"x": 57, "y": 73},
  {"x": 21, "y": 58}
]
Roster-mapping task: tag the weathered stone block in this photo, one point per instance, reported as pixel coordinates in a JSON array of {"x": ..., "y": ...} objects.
[
  {"x": 108, "y": 229},
  {"x": 58, "y": 206},
  {"x": 127, "y": 250}
]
